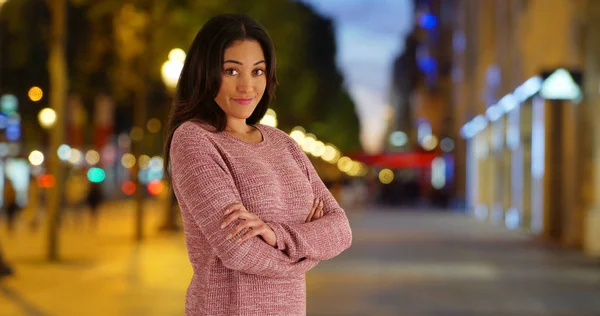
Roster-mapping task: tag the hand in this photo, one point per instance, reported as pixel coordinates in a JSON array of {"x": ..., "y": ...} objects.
[
  {"x": 247, "y": 220},
  {"x": 316, "y": 211}
]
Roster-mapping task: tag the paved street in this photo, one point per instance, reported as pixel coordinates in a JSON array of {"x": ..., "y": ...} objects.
[{"x": 401, "y": 263}]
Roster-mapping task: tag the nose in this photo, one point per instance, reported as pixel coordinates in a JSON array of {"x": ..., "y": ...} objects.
[{"x": 244, "y": 84}]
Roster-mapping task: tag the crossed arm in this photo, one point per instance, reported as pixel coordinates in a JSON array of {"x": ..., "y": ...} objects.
[{"x": 204, "y": 185}]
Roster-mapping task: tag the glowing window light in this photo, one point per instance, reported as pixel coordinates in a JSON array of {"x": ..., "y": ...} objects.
[
  {"x": 386, "y": 176},
  {"x": 438, "y": 173},
  {"x": 560, "y": 86},
  {"x": 512, "y": 218}
]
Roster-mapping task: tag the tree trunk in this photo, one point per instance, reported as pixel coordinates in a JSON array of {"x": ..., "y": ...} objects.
[{"x": 57, "y": 69}]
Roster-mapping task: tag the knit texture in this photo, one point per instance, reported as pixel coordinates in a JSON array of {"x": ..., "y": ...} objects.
[{"x": 273, "y": 179}]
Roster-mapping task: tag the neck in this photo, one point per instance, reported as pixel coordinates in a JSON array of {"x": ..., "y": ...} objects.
[{"x": 237, "y": 126}]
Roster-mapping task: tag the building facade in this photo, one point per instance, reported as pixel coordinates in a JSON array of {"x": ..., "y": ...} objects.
[{"x": 529, "y": 138}]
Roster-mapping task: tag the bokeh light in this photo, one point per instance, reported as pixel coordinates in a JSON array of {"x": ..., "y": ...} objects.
[
  {"x": 96, "y": 175},
  {"x": 92, "y": 157},
  {"x": 298, "y": 133},
  {"x": 344, "y": 164},
  {"x": 331, "y": 154},
  {"x": 128, "y": 160},
  {"x": 35, "y": 94},
  {"x": 47, "y": 117},
  {"x": 64, "y": 152},
  {"x": 154, "y": 125},
  {"x": 155, "y": 187},
  {"x": 144, "y": 161},
  {"x": 75, "y": 157},
  {"x": 128, "y": 187},
  {"x": 137, "y": 134},
  {"x": 46, "y": 181},
  {"x": 36, "y": 157},
  {"x": 386, "y": 176}
]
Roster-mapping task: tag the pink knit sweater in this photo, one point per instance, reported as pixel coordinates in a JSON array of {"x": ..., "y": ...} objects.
[{"x": 273, "y": 179}]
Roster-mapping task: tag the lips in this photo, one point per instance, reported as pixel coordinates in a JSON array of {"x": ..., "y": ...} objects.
[{"x": 243, "y": 101}]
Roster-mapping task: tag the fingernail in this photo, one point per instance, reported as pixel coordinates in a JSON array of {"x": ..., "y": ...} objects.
[
  {"x": 223, "y": 225},
  {"x": 229, "y": 236},
  {"x": 227, "y": 211}
]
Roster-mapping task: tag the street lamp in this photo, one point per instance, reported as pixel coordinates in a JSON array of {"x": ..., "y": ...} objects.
[{"x": 171, "y": 69}]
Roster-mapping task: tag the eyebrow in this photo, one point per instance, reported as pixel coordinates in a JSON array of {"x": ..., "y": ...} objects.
[{"x": 241, "y": 63}]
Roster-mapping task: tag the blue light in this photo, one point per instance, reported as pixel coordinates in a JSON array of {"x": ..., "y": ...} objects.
[
  {"x": 3, "y": 121},
  {"x": 427, "y": 64},
  {"x": 13, "y": 132},
  {"x": 428, "y": 21}
]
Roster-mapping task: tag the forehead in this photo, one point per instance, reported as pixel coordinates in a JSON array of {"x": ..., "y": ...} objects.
[{"x": 244, "y": 51}]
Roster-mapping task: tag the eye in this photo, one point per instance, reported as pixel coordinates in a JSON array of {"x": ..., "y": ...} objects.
[
  {"x": 259, "y": 72},
  {"x": 231, "y": 72}
]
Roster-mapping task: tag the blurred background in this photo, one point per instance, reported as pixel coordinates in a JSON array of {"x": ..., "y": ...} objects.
[{"x": 458, "y": 135}]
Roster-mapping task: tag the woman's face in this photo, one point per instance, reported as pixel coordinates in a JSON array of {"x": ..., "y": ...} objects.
[{"x": 243, "y": 79}]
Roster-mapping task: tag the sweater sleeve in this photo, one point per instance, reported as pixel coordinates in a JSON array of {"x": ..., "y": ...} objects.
[
  {"x": 322, "y": 239},
  {"x": 204, "y": 185}
]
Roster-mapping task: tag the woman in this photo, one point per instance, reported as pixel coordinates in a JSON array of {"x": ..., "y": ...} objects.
[{"x": 256, "y": 215}]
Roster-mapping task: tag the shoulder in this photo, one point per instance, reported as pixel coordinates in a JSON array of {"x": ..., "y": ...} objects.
[
  {"x": 191, "y": 134},
  {"x": 191, "y": 129}
]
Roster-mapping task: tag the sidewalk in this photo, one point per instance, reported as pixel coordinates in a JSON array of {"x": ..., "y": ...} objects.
[{"x": 102, "y": 271}]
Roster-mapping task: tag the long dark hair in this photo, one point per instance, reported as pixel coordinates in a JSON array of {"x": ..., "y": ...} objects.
[{"x": 200, "y": 77}]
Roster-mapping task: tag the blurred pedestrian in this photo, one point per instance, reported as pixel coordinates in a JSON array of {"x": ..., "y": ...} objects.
[
  {"x": 94, "y": 198},
  {"x": 5, "y": 269},
  {"x": 256, "y": 214},
  {"x": 10, "y": 204}
]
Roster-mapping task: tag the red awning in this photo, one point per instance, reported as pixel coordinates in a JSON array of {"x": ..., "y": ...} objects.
[{"x": 396, "y": 160}]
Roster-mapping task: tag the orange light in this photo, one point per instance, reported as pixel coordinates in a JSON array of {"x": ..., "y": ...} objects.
[
  {"x": 46, "y": 181},
  {"x": 155, "y": 187},
  {"x": 128, "y": 187}
]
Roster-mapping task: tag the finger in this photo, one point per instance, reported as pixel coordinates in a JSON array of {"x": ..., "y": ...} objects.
[
  {"x": 241, "y": 226},
  {"x": 237, "y": 214},
  {"x": 319, "y": 212},
  {"x": 249, "y": 234},
  {"x": 233, "y": 207},
  {"x": 312, "y": 212}
]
